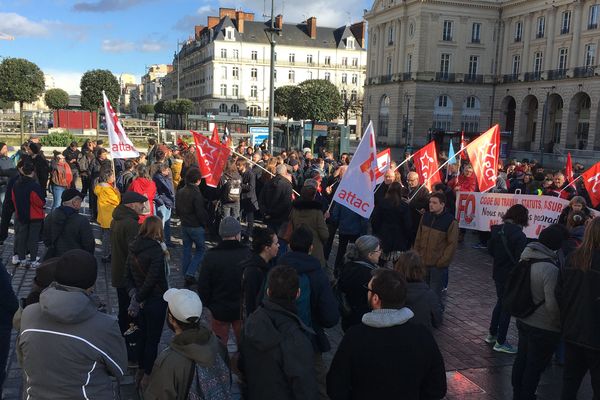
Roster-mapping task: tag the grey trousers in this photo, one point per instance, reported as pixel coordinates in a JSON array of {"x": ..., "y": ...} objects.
[{"x": 26, "y": 239}]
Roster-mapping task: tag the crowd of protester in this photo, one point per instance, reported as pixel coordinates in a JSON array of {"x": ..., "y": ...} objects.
[{"x": 273, "y": 287}]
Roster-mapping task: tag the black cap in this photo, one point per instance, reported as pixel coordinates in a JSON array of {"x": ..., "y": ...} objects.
[
  {"x": 70, "y": 194},
  {"x": 553, "y": 237},
  {"x": 132, "y": 197},
  {"x": 76, "y": 268}
]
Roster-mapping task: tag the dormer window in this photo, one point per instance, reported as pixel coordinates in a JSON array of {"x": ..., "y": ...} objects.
[
  {"x": 229, "y": 34},
  {"x": 350, "y": 43}
]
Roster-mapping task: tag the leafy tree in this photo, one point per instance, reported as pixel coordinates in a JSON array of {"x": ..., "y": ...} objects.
[
  {"x": 316, "y": 100},
  {"x": 284, "y": 105},
  {"x": 56, "y": 99},
  {"x": 183, "y": 107},
  {"x": 5, "y": 105},
  {"x": 159, "y": 107},
  {"x": 145, "y": 109},
  {"x": 92, "y": 84},
  {"x": 22, "y": 81}
]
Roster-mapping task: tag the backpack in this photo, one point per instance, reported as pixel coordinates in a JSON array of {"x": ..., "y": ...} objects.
[
  {"x": 303, "y": 302},
  {"x": 210, "y": 383},
  {"x": 83, "y": 162},
  {"x": 517, "y": 299},
  {"x": 124, "y": 180},
  {"x": 233, "y": 190}
]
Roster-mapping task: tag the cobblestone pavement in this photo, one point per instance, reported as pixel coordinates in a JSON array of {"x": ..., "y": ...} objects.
[{"x": 474, "y": 371}]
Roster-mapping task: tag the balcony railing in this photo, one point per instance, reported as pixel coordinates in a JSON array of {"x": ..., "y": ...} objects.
[
  {"x": 518, "y": 39},
  {"x": 473, "y": 78},
  {"x": 510, "y": 78},
  {"x": 445, "y": 77},
  {"x": 557, "y": 74},
  {"x": 476, "y": 41},
  {"x": 539, "y": 35},
  {"x": 533, "y": 76},
  {"x": 593, "y": 25},
  {"x": 583, "y": 72},
  {"x": 564, "y": 31}
]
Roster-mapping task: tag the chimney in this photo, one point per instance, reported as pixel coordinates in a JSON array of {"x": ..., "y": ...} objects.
[
  {"x": 311, "y": 25},
  {"x": 212, "y": 22},
  {"x": 198, "y": 31},
  {"x": 358, "y": 30},
  {"x": 227, "y": 12},
  {"x": 240, "y": 17},
  {"x": 279, "y": 22}
]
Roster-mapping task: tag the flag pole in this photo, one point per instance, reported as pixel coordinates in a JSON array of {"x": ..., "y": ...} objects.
[
  {"x": 570, "y": 184},
  {"x": 259, "y": 166},
  {"x": 395, "y": 169}
]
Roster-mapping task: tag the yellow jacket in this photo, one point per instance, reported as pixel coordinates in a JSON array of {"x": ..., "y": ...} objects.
[{"x": 108, "y": 199}]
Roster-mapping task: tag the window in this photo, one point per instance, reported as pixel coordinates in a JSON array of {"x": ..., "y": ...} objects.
[
  {"x": 593, "y": 18},
  {"x": 229, "y": 36},
  {"x": 291, "y": 76},
  {"x": 292, "y": 58},
  {"x": 235, "y": 91},
  {"x": 471, "y": 102},
  {"x": 354, "y": 79},
  {"x": 355, "y": 62},
  {"x": 223, "y": 108},
  {"x": 275, "y": 75},
  {"x": 538, "y": 60},
  {"x": 384, "y": 116},
  {"x": 409, "y": 63},
  {"x": 236, "y": 54},
  {"x": 590, "y": 54},
  {"x": 566, "y": 23},
  {"x": 445, "y": 64},
  {"x": 350, "y": 43},
  {"x": 411, "y": 30},
  {"x": 309, "y": 59},
  {"x": 254, "y": 55},
  {"x": 344, "y": 61},
  {"x": 442, "y": 113},
  {"x": 235, "y": 108},
  {"x": 235, "y": 72},
  {"x": 516, "y": 64},
  {"x": 327, "y": 76},
  {"x": 518, "y": 31},
  {"x": 391, "y": 35},
  {"x": 223, "y": 89},
  {"x": 473, "y": 65},
  {"x": 223, "y": 53},
  {"x": 563, "y": 54},
  {"x": 309, "y": 75},
  {"x": 343, "y": 93},
  {"x": 476, "y": 33},
  {"x": 327, "y": 60},
  {"x": 353, "y": 96},
  {"x": 541, "y": 27},
  {"x": 443, "y": 101},
  {"x": 253, "y": 74},
  {"x": 447, "y": 32},
  {"x": 223, "y": 72},
  {"x": 253, "y": 91},
  {"x": 254, "y": 111},
  {"x": 344, "y": 78},
  {"x": 389, "y": 66}
]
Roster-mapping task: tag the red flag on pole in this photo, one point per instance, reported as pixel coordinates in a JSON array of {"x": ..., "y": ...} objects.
[
  {"x": 484, "y": 153},
  {"x": 384, "y": 159},
  {"x": 463, "y": 144},
  {"x": 215, "y": 135},
  {"x": 212, "y": 158},
  {"x": 569, "y": 168},
  {"x": 591, "y": 180},
  {"x": 426, "y": 165}
]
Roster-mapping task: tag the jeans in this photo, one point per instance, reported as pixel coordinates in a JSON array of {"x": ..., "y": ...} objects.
[
  {"x": 165, "y": 215},
  {"x": 57, "y": 192},
  {"x": 106, "y": 242},
  {"x": 26, "y": 239},
  {"x": 435, "y": 280},
  {"x": 230, "y": 210},
  {"x": 192, "y": 235},
  {"x": 578, "y": 360},
  {"x": 2, "y": 195},
  {"x": 151, "y": 322},
  {"x": 500, "y": 318},
  {"x": 534, "y": 354},
  {"x": 5, "y": 332}
]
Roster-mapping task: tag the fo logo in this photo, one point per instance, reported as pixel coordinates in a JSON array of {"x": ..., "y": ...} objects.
[{"x": 466, "y": 208}]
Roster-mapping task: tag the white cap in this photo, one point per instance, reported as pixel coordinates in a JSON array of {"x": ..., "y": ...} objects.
[{"x": 183, "y": 304}]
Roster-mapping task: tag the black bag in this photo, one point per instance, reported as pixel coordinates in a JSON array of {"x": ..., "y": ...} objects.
[
  {"x": 233, "y": 190},
  {"x": 517, "y": 299}
]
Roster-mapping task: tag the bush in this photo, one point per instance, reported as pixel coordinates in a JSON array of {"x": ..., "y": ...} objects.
[{"x": 58, "y": 139}]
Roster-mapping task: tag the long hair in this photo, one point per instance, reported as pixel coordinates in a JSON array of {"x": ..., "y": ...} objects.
[
  {"x": 152, "y": 228},
  {"x": 582, "y": 256}
]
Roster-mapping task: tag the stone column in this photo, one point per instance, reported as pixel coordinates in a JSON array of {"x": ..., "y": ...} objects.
[
  {"x": 576, "y": 32},
  {"x": 402, "y": 37}
]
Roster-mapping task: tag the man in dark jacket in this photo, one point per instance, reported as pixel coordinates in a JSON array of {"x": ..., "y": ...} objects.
[
  {"x": 276, "y": 355},
  {"x": 321, "y": 307},
  {"x": 124, "y": 228},
  {"x": 276, "y": 199},
  {"x": 418, "y": 200},
  {"x": 265, "y": 246},
  {"x": 7, "y": 170},
  {"x": 220, "y": 280},
  {"x": 249, "y": 201},
  {"x": 164, "y": 201},
  {"x": 65, "y": 229},
  {"x": 410, "y": 363},
  {"x": 8, "y": 306},
  {"x": 189, "y": 205},
  {"x": 71, "y": 154}
]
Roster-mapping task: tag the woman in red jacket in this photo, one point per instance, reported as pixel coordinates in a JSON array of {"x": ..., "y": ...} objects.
[{"x": 146, "y": 187}]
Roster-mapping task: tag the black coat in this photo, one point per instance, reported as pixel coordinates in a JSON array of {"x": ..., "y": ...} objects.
[
  {"x": 392, "y": 225},
  {"x": 68, "y": 230},
  {"x": 516, "y": 242},
  {"x": 424, "y": 304},
  {"x": 324, "y": 307},
  {"x": 147, "y": 268},
  {"x": 71, "y": 154},
  {"x": 189, "y": 204},
  {"x": 396, "y": 362},
  {"x": 220, "y": 280},
  {"x": 249, "y": 201},
  {"x": 354, "y": 276},
  {"x": 8, "y": 300},
  {"x": 577, "y": 294},
  {"x": 276, "y": 199},
  {"x": 255, "y": 271},
  {"x": 276, "y": 355}
]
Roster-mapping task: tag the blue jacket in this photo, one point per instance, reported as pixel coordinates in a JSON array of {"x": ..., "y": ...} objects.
[
  {"x": 324, "y": 307},
  {"x": 165, "y": 192},
  {"x": 349, "y": 222}
]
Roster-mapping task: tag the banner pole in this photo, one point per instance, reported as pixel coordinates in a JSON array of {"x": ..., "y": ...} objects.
[
  {"x": 570, "y": 184},
  {"x": 260, "y": 166},
  {"x": 395, "y": 169}
]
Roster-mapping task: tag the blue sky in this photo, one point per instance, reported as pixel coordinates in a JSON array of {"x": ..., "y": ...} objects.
[{"x": 68, "y": 37}]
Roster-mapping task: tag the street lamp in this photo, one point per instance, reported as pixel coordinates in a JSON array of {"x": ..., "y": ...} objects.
[{"x": 271, "y": 32}]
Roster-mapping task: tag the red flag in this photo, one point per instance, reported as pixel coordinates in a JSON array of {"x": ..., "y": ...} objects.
[
  {"x": 215, "y": 135},
  {"x": 426, "y": 165},
  {"x": 212, "y": 158},
  {"x": 463, "y": 144},
  {"x": 384, "y": 159},
  {"x": 569, "y": 168},
  {"x": 484, "y": 153},
  {"x": 591, "y": 180}
]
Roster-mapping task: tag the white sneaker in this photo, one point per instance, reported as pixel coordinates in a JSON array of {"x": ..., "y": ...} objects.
[{"x": 15, "y": 259}]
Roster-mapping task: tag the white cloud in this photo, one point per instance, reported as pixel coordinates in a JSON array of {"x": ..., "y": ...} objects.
[
  {"x": 18, "y": 25},
  {"x": 117, "y": 46},
  {"x": 66, "y": 80},
  {"x": 151, "y": 46}
]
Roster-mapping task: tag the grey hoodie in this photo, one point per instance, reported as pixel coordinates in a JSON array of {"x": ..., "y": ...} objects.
[
  {"x": 68, "y": 349},
  {"x": 544, "y": 275},
  {"x": 386, "y": 317}
]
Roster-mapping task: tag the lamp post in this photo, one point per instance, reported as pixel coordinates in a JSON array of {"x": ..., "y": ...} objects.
[
  {"x": 271, "y": 32},
  {"x": 545, "y": 122}
]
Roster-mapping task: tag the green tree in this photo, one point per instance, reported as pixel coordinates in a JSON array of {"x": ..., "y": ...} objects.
[
  {"x": 183, "y": 107},
  {"x": 159, "y": 107},
  {"x": 92, "y": 84},
  {"x": 316, "y": 100},
  {"x": 145, "y": 109},
  {"x": 5, "y": 105},
  {"x": 22, "y": 81},
  {"x": 284, "y": 106},
  {"x": 56, "y": 99},
  {"x": 169, "y": 107}
]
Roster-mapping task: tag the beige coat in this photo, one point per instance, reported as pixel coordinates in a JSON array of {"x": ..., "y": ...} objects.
[{"x": 309, "y": 213}]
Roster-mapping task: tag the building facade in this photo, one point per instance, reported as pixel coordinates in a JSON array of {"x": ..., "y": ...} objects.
[
  {"x": 151, "y": 88},
  {"x": 439, "y": 67},
  {"x": 225, "y": 67}
]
